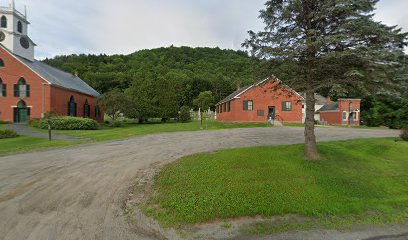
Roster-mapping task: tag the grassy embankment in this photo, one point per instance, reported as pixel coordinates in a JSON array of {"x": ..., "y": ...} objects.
[{"x": 357, "y": 182}]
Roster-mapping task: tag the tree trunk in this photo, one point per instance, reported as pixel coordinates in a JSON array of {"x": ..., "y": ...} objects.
[{"x": 311, "y": 152}]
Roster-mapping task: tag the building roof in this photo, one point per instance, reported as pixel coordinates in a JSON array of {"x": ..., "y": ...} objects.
[
  {"x": 238, "y": 93},
  {"x": 330, "y": 107},
  {"x": 320, "y": 100},
  {"x": 59, "y": 78}
]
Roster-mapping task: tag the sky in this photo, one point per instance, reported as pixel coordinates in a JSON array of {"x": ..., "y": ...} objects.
[{"x": 124, "y": 26}]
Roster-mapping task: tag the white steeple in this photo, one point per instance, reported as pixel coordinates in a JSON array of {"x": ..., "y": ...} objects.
[{"x": 14, "y": 31}]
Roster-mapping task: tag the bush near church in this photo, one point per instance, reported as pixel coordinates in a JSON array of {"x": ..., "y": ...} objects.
[
  {"x": 66, "y": 123},
  {"x": 8, "y": 134}
]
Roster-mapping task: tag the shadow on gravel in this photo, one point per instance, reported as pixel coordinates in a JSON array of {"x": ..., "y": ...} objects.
[{"x": 403, "y": 236}]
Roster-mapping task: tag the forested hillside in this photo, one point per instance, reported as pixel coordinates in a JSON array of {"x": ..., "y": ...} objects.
[{"x": 188, "y": 70}]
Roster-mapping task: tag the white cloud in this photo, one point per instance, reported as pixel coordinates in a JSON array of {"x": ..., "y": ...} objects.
[{"x": 124, "y": 26}]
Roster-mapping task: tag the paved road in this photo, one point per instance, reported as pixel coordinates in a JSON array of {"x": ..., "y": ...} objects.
[
  {"x": 24, "y": 130},
  {"x": 77, "y": 192}
]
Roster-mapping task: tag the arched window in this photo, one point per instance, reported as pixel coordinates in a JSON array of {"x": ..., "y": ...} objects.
[
  {"x": 72, "y": 107},
  {"x": 20, "y": 27},
  {"x": 1, "y": 63},
  {"x": 97, "y": 112},
  {"x": 3, "y": 22},
  {"x": 87, "y": 109},
  {"x": 3, "y": 89},
  {"x": 21, "y": 104},
  {"x": 21, "y": 89}
]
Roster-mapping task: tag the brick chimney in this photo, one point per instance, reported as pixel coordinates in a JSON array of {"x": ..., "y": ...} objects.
[{"x": 328, "y": 100}]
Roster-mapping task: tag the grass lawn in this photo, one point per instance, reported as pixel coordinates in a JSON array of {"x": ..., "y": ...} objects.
[
  {"x": 27, "y": 144},
  {"x": 132, "y": 130},
  {"x": 359, "y": 181},
  {"x": 2, "y": 126}
]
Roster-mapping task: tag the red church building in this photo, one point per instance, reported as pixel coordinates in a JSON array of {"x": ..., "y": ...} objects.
[
  {"x": 30, "y": 88},
  {"x": 266, "y": 100}
]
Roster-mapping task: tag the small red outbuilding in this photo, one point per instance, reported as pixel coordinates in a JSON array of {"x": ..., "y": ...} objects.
[
  {"x": 342, "y": 112},
  {"x": 263, "y": 101}
]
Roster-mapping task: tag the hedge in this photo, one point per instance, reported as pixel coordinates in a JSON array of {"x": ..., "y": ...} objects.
[
  {"x": 8, "y": 134},
  {"x": 66, "y": 123}
]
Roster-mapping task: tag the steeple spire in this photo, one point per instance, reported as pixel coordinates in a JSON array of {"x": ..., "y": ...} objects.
[{"x": 13, "y": 5}]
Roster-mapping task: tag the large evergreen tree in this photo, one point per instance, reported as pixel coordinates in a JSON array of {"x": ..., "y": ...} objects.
[{"x": 331, "y": 44}]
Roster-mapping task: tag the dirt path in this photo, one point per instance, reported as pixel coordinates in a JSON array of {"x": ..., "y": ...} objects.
[{"x": 77, "y": 192}]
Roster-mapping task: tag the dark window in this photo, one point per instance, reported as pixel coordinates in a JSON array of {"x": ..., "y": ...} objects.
[
  {"x": 21, "y": 89},
  {"x": 72, "y": 107},
  {"x": 20, "y": 27},
  {"x": 286, "y": 106},
  {"x": 248, "y": 105},
  {"x": 261, "y": 113},
  {"x": 3, "y": 89},
  {"x": 1, "y": 63},
  {"x": 86, "y": 109},
  {"x": 3, "y": 22},
  {"x": 229, "y": 106},
  {"x": 97, "y": 112},
  {"x": 225, "y": 107}
]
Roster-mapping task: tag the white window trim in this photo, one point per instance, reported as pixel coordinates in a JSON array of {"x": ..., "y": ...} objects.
[
  {"x": 250, "y": 105},
  {"x": 356, "y": 115},
  {"x": 347, "y": 116}
]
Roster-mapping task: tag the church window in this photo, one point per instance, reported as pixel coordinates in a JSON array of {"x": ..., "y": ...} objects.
[
  {"x": 20, "y": 27},
  {"x": 3, "y": 22},
  {"x": 87, "y": 109},
  {"x": 97, "y": 112},
  {"x": 1, "y": 63},
  {"x": 3, "y": 89},
  {"x": 72, "y": 107},
  {"x": 21, "y": 89}
]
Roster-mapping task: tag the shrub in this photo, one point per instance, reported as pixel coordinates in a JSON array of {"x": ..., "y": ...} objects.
[
  {"x": 404, "y": 134},
  {"x": 115, "y": 124},
  {"x": 8, "y": 134},
  {"x": 66, "y": 123},
  {"x": 185, "y": 114},
  {"x": 35, "y": 123}
]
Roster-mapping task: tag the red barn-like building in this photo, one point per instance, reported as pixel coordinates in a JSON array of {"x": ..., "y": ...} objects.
[
  {"x": 263, "y": 101},
  {"x": 342, "y": 112},
  {"x": 30, "y": 88}
]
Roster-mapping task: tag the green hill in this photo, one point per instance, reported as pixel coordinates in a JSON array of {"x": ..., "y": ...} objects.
[{"x": 192, "y": 70}]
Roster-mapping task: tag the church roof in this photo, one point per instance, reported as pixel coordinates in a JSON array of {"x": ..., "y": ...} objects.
[{"x": 59, "y": 78}]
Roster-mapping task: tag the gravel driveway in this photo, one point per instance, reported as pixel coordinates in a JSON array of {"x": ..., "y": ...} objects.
[{"x": 77, "y": 192}]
